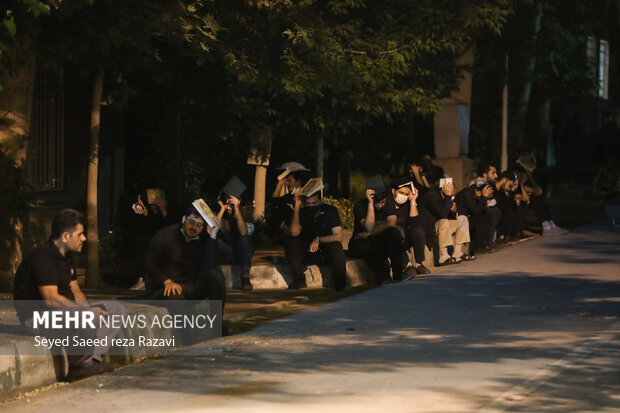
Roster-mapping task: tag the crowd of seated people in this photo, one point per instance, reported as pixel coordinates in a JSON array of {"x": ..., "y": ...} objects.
[{"x": 395, "y": 226}]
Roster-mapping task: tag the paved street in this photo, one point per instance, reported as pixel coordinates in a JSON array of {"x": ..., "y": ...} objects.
[{"x": 532, "y": 328}]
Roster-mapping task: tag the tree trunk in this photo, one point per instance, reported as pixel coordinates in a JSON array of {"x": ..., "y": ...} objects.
[
  {"x": 260, "y": 182},
  {"x": 92, "y": 230},
  {"x": 319, "y": 155},
  {"x": 519, "y": 121},
  {"x": 15, "y": 110}
]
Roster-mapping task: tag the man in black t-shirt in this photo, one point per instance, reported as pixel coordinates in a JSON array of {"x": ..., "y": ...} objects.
[
  {"x": 316, "y": 237},
  {"x": 375, "y": 234},
  {"x": 48, "y": 275},
  {"x": 234, "y": 242}
]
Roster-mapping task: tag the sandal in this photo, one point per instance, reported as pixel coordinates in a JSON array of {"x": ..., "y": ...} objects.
[
  {"x": 449, "y": 261},
  {"x": 465, "y": 257}
]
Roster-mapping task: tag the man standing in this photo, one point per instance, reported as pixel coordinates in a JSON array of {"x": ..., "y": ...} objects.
[
  {"x": 182, "y": 264},
  {"x": 234, "y": 242},
  {"x": 316, "y": 237},
  {"x": 48, "y": 273}
]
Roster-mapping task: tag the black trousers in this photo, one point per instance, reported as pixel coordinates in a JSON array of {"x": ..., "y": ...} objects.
[
  {"x": 238, "y": 251},
  {"x": 495, "y": 216},
  {"x": 513, "y": 220},
  {"x": 376, "y": 249},
  {"x": 209, "y": 284},
  {"x": 298, "y": 255},
  {"x": 537, "y": 203},
  {"x": 415, "y": 237}
]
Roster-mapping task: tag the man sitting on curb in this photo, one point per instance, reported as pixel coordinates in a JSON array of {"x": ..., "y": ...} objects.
[
  {"x": 375, "y": 234},
  {"x": 452, "y": 229},
  {"x": 181, "y": 262},
  {"x": 410, "y": 223},
  {"x": 48, "y": 274},
  {"x": 472, "y": 202},
  {"x": 234, "y": 242},
  {"x": 316, "y": 237}
]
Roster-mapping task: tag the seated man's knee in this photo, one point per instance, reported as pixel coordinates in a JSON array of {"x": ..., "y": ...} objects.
[{"x": 392, "y": 233}]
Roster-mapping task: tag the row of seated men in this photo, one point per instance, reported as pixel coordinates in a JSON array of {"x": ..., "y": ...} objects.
[{"x": 412, "y": 213}]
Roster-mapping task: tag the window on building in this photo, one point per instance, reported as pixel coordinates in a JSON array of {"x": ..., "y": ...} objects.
[{"x": 46, "y": 144}]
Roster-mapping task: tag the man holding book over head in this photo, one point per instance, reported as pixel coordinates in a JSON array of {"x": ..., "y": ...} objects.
[
  {"x": 316, "y": 236},
  {"x": 376, "y": 235},
  {"x": 181, "y": 260},
  {"x": 234, "y": 243}
]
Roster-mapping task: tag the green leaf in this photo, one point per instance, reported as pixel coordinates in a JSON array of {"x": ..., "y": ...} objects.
[{"x": 9, "y": 25}]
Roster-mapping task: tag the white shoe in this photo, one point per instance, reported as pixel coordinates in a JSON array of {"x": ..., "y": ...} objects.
[
  {"x": 553, "y": 231},
  {"x": 139, "y": 285}
]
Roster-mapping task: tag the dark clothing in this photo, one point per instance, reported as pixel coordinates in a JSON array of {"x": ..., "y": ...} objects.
[
  {"x": 360, "y": 209},
  {"x": 320, "y": 226},
  {"x": 282, "y": 210},
  {"x": 299, "y": 256},
  {"x": 438, "y": 205},
  {"x": 193, "y": 265},
  {"x": 169, "y": 256},
  {"x": 467, "y": 203},
  {"x": 45, "y": 265},
  {"x": 297, "y": 248},
  {"x": 414, "y": 229},
  {"x": 475, "y": 208},
  {"x": 234, "y": 248},
  {"x": 376, "y": 249},
  {"x": 513, "y": 216},
  {"x": 537, "y": 203},
  {"x": 230, "y": 230},
  {"x": 238, "y": 252}
]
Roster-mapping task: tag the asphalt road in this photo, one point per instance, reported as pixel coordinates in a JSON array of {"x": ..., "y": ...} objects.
[{"x": 532, "y": 328}]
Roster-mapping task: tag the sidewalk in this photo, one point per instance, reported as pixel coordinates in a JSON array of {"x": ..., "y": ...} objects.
[{"x": 533, "y": 327}]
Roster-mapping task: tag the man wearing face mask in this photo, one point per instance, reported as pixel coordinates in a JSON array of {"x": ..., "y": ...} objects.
[
  {"x": 181, "y": 261},
  {"x": 410, "y": 223},
  {"x": 315, "y": 238},
  {"x": 376, "y": 236},
  {"x": 234, "y": 242}
]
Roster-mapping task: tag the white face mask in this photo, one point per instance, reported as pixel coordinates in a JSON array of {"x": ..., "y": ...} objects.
[{"x": 401, "y": 198}]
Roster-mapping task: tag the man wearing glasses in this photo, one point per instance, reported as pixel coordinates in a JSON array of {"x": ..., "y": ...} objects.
[{"x": 181, "y": 261}]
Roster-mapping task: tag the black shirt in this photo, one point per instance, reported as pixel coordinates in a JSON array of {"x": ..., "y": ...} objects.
[
  {"x": 438, "y": 205},
  {"x": 169, "y": 256},
  {"x": 360, "y": 209},
  {"x": 230, "y": 230},
  {"x": 320, "y": 226},
  {"x": 45, "y": 265},
  {"x": 468, "y": 204}
]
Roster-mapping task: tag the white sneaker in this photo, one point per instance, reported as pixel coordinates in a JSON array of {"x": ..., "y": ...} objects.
[
  {"x": 139, "y": 285},
  {"x": 553, "y": 231}
]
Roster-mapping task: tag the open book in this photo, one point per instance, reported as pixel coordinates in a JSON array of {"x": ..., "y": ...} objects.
[
  {"x": 312, "y": 187},
  {"x": 152, "y": 194},
  {"x": 207, "y": 213},
  {"x": 284, "y": 174}
]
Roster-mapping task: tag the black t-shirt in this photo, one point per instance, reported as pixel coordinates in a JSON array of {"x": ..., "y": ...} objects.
[
  {"x": 320, "y": 226},
  {"x": 230, "y": 230},
  {"x": 360, "y": 209},
  {"x": 45, "y": 265}
]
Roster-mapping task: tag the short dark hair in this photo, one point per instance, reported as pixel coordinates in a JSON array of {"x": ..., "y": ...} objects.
[
  {"x": 66, "y": 221},
  {"x": 486, "y": 168},
  {"x": 191, "y": 210}
]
